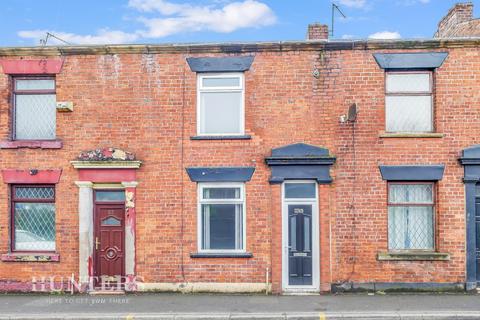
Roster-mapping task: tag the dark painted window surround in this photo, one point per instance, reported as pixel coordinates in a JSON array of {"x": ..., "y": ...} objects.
[
  {"x": 221, "y": 255},
  {"x": 406, "y": 62},
  {"x": 221, "y": 64},
  {"x": 415, "y": 60},
  {"x": 221, "y": 174},
  {"x": 412, "y": 173},
  {"x": 242, "y": 137}
]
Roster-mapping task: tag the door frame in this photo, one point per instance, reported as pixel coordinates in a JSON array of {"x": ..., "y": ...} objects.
[
  {"x": 315, "y": 287},
  {"x": 476, "y": 214},
  {"x": 96, "y": 225}
]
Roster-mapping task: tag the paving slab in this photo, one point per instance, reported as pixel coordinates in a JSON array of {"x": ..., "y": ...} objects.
[{"x": 240, "y": 307}]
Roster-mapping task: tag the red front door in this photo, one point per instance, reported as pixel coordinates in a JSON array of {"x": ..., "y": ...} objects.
[{"x": 109, "y": 244}]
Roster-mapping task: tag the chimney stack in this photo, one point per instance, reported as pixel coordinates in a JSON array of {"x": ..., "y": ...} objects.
[
  {"x": 317, "y": 31},
  {"x": 449, "y": 25}
]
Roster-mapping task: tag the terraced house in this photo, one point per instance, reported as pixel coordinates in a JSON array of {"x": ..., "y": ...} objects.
[{"x": 305, "y": 166}]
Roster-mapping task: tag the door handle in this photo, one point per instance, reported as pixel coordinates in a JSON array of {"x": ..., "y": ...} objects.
[{"x": 97, "y": 243}]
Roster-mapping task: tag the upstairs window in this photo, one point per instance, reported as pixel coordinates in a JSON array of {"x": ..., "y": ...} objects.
[
  {"x": 34, "y": 111},
  {"x": 411, "y": 216},
  {"x": 409, "y": 102},
  {"x": 220, "y": 104}
]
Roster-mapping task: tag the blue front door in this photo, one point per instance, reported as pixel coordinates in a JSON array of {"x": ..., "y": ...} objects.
[
  {"x": 300, "y": 244},
  {"x": 477, "y": 236}
]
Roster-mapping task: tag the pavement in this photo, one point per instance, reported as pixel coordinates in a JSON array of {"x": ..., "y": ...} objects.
[{"x": 216, "y": 307}]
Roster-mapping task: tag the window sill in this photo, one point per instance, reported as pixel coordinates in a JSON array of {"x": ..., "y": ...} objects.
[
  {"x": 32, "y": 144},
  {"x": 243, "y": 137},
  {"x": 413, "y": 256},
  {"x": 30, "y": 257},
  {"x": 412, "y": 135},
  {"x": 221, "y": 255}
]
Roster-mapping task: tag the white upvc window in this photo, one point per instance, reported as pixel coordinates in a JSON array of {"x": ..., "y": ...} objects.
[
  {"x": 220, "y": 104},
  {"x": 221, "y": 217},
  {"x": 409, "y": 102}
]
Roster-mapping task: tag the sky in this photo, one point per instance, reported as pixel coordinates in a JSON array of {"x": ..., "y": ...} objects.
[{"x": 26, "y": 22}]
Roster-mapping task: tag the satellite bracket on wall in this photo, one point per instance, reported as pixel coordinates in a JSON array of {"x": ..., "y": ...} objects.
[{"x": 351, "y": 115}]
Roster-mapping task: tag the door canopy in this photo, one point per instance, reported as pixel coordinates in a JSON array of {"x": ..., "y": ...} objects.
[
  {"x": 106, "y": 154},
  {"x": 471, "y": 155},
  {"x": 106, "y": 158},
  {"x": 106, "y": 165},
  {"x": 300, "y": 161}
]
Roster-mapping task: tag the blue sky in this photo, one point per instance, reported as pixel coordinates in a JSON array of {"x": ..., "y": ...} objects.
[{"x": 25, "y": 22}]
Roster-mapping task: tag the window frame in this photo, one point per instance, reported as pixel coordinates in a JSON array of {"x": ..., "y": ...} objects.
[
  {"x": 16, "y": 92},
  {"x": 201, "y": 201},
  {"x": 96, "y": 201},
  {"x": 284, "y": 190},
  {"x": 240, "y": 88},
  {"x": 430, "y": 93},
  {"x": 14, "y": 199},
  {"x": 434, "y": 213}
]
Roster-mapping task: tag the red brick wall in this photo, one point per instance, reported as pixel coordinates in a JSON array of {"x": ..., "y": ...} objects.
[
  {"x": 360, "y": 232},
  {"x": 146, "y": 104}
]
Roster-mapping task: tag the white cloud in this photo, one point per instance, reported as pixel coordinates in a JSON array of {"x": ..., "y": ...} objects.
[
  {"x": 166, "y": 18},
  {"x": 164, "y": 7},
  {"x": 353, "y": 3},
  {"x": 187, "y": 18},
  {"x": 348, "y": 36},
  {"x": 411, "y": 2},
  {"x": 385, "y": 35}
]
